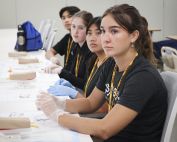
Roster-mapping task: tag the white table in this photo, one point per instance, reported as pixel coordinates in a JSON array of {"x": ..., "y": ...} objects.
[
  {"x": 17, "y": 98},
  {"x": 174, "y": 37},
  {"x": 152, "y": 30}
]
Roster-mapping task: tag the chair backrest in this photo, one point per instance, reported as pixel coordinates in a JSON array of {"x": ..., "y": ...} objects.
[
  {"x": 45, "y": 32},
  {"x": 170, "y": 79},
  {"x": 41, "y": 25},
  {"x": 174, "y": 55},
  {"x": 46, "y": 26},
  {"x": 49, "y": 42}
]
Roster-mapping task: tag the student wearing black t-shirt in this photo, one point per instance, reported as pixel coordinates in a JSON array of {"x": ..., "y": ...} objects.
[
  {"x": 81, "y": 54},
  {"x": 93, "y": 39},
  {"x": 94, "y": 68},
  {"x": 63, "y": 47},
  {"x": 77, "y": 75},
  {"x": 94, "y": 43},
  {"x": 134, "y": 89}
]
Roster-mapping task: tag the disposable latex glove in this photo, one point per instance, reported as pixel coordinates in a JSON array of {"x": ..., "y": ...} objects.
[
  {"x": 55, "y": 60},
  {"x": 49, "y": 106},
  {"x": 53, "y": 69},
  {"x": 60, "y": 103},
  {"x": 56, "y": 114},
  {"x": 44, "y": 97},
  {"x": 64, "y": 82},
  {"x": 60, "y": 90},
  {"x": 57, "y": 70}
]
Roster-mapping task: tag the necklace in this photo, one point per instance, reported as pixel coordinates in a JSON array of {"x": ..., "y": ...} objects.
[
  {"x": 92, "y": 73},
  {"x": 119, "y": 83}
]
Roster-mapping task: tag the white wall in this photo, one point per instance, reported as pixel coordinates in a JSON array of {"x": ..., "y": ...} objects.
[
  {"x": 153, "y": 11},
  {"x": 7, "y": 13},
  {"x": 159, "y": 13},
  {"x": 96, "y": 7},
  {"x": 170, "y": 18}
]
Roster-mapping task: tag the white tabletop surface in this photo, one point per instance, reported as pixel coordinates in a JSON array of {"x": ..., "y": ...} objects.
[{"x": 17, "y": 98}]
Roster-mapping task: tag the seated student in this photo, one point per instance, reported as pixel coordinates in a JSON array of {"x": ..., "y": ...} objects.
[
  {"x": 132, "y": 86},
  {"x": 63, "y": 47},
  {"x": 93, "y": 39},
  {"x": 77, "y": 73}
]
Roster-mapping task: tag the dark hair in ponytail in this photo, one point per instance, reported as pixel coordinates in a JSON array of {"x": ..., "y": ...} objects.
[{"x": 129, "y": 18}]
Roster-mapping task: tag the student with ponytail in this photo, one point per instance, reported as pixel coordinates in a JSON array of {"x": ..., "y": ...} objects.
[
  {"x": 132, "y": 86},
  {"x": 76, "y": 75}
]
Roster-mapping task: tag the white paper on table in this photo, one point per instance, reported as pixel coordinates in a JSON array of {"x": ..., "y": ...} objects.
[{"x": 40, "y": 135}]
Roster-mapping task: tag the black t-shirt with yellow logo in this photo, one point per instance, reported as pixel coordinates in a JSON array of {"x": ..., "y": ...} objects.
[{"x": 143, "y": 91}]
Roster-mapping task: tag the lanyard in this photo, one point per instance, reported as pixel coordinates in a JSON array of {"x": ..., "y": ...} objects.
[
  {"x": 68, "y": 50},
  {"x": 119, "y": 83},
  {"x": 92, "y": 73},
  {"x": 77, "y": 65}
]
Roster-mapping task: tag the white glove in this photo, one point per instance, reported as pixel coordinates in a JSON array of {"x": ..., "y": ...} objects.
[
  {"x": 53, "y": 69},
  {"x": 57, "y": 70},
  {"x": 55, "y": 60},
  {"x": 56, "y": 114},
  {"x": 60, "y": 103},
  {"x": 49, "y": 68},
  {"x": 48, "y": 105}
]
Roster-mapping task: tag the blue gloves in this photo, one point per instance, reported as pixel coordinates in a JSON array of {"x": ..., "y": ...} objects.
[
  {"x": 63, "y": 88},
  {"x": 64, "y": 82},
  {"x": 60, "y": 90}
]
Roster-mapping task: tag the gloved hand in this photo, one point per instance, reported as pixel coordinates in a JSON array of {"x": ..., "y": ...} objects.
[
  {"x": 64, "y": 82},
  {"x": 56, "y": 114},
  {"x": 57, "y": 70},
  {"x": 49, "y": 106},
  {"x": 60, "y": 90},
  {"x": 61, "y": 104},
  {"x": 55, "y": 60},
  {"x": 53, "y": 69}
]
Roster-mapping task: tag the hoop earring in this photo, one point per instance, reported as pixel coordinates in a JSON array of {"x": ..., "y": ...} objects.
[{"x": 132, "y": 45}]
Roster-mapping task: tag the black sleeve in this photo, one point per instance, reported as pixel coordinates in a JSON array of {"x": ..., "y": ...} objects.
[
  {"x": 78, "y": 82},
  {"x": 61, "y": 46},
  {"x": 138, "y": 90},
  {"x": 90, "y": 65}
]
